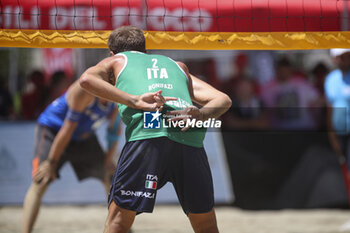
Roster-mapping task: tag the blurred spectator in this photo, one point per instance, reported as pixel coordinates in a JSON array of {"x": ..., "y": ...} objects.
[
  {"x": 205, "y": 70},
  {"x": 263, "y": 65},
  {"x": 58, "y": 84},
  {"x": 209, "y": 69},
  {"x": 246, "y": 112},
  {"x": 289, "y": 99},
  {"x": 197, "y": 69},
  {"x": 319, "y": 74},
  {"x": 33, "y": 97},
  {"x": 318, "y": 77},
  {"x": 337, "y": 89},
  {"x": 229, "y": 86},
  {"x": 6, "y": 102}
]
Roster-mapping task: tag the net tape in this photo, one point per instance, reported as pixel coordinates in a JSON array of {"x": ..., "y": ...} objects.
[{"x": 86, "y": 23}]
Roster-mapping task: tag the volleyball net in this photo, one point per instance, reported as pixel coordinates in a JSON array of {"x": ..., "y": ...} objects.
[{"x": 178, "y": 24}]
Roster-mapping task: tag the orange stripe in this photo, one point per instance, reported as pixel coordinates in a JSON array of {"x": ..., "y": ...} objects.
[
  {"x": 179, "y": 40},
  {"x": 35, "y": 164}
]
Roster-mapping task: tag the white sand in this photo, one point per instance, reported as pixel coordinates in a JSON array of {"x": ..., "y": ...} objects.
[{"x": 170, "y": 219}]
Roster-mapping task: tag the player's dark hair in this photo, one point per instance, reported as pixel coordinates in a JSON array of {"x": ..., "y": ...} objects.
[{"x": 127, "y": 38}]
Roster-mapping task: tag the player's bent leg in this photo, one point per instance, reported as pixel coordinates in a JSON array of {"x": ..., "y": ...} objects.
[
  {"x": 204, "y": 223},
  {"x": 31, "y": 206},
  {"x": 119, "y": 220}
]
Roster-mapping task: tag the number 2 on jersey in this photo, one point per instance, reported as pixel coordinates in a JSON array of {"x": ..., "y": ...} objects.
[{"x": 154, "y": 71}]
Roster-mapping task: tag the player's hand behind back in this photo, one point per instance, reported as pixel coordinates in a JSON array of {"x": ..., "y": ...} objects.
[
  {"x": 152, "y": 101},
  {"x": 191, "y": 112}
]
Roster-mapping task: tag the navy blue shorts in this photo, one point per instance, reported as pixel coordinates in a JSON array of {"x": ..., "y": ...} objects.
[
  {"x": 147, "y": 165},
  {"x": 86, "y": 157}
]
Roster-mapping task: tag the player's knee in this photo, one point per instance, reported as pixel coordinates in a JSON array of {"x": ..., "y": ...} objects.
[
  {"x": 119, "y": 220},
  {"x": 38, "y": 189},
  {"x": 116, "y": 225},
  {"x": 204, "y": 223},
  {"x": 205, "y": 227}
]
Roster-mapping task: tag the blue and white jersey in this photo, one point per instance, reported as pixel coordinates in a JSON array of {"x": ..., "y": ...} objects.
[
  {"x": 337, "y": 90},
  {"x": 55, "y": 114}
]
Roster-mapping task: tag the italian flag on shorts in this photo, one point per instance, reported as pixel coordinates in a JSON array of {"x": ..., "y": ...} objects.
[{"x": 151, "y": 184}]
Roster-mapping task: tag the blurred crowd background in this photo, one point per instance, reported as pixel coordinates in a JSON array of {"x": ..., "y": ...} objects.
[
  {"x": 274, "y": 135},
  {"x": 256, "y": 81}
]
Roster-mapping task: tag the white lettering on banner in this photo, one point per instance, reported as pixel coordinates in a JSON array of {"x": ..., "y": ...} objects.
[
  {"x": 200, "y": 24},
  {"x": 175, "y": 18},
  {"x": 156, "y": 20},
  {"x": 80, "y": 17},
  {"x": 16, "y": 11},
  {"x": 7, "y": 17},
  {"x": 23, "y": 22},
  {"x": 77, "y": 22},
  {"x": 136, "y": 18},
  {"x": 125, "y": 15},
  {"x": 137, "y": 194},
  {"x": 191, "y": 20},
  {"x": 57, "y": 21},
  {"x": 194, "y": 20},
  {"x": 119, "y": 16},
  {"x": 35, "y": 20},
  {"x": 13, "y": 16}
]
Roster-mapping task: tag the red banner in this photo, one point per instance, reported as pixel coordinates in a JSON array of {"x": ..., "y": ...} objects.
[
  {"x": 175, "y": 15},
  {"x": 57, "y": 59}
]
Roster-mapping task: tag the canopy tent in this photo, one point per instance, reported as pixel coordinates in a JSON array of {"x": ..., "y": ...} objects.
[{"x": 178, "y": 24}]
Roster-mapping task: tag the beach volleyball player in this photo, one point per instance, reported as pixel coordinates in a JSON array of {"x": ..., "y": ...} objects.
[
  {"x": 153, "y": 154},
  {"x": 65, "y": 133}
]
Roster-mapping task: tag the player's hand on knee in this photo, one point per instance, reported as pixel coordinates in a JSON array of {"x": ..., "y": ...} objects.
[{"x": 46, "y": 173}]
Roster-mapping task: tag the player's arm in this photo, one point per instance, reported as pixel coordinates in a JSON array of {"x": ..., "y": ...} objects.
[
  {"x": 331, "y": 134},
  {"x": 214, "y": 102},
  {"x": 113, "y": 133},
  {"x": 330, "y": 93},
  {"x": 100, "y": 79},
  {"x": 78, "y": 100}
]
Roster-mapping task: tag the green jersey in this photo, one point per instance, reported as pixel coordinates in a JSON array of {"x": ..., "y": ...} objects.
[{"x": 144, "y": 73}]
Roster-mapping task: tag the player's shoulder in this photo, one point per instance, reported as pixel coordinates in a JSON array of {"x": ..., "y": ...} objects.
[
  {"x": 159, "y": 57},
  {"x": 334, "y": 77},
  {"x": 335, "y": 73},
  {"x": 332, "y": 83},
  {"x": 115, "y": 59},
  {"x": 75, "y": 93},
  {"x": 178, "y": 63}
]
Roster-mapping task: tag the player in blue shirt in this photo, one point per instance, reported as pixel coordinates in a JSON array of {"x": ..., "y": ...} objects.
[
  {"x": 337, "y": 91},
  {"x": 65, "y": 133}
]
